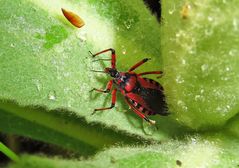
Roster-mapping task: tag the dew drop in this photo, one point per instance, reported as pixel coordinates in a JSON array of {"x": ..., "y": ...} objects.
[
  {"x": 194, "y": 141},
  {"x": 197, "y": 97},
  {"x": 179, "y": 79},
  {"x": 171, "y": 11},
  {"x": 66, "y": 74},
  {"x": 204, "y": 67},
  {"x": 66, "y": 90},
  {"x": 208, "y": 32},
  {"x": 38, "y": 85},
  {"x": 183, "y": 61},
  {"x": 52, "y": 95},
  {"x": 218, "y": 108},
  {"x": 148, "y": 128},
  {"x": 82, "y": 36},
  {"x": 124, "y": 51},
  {"x": 128, "y": 23},
  {"x": 69, "y": 104},
  {"x": 59, "y": 49},
  {"x": 12, "y": 45},
  {"x": 210, "y": 18},
  {"x": 235, "y": 24},
  {"x": 232, "y": 52}
]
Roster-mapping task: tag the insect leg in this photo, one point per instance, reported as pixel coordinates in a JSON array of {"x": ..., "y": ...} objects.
[
  {"x": 113, "y": 56},
  {"x": 112, "y": 102},
  {"x": 141, "y": 115},
  {"x": 138, "y": 64},
  {"x": 151, "y": 72},
  {"x": 144, "y": 117},
  {"x": 107, "y": 90}
]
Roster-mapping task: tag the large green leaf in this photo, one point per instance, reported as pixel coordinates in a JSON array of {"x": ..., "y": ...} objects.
[
  {"x": 200, "y": 49},
  {"x": 45, "y": 63},
  {"x": 195, "y": 151},
  {"x": 45, "y": 80}
]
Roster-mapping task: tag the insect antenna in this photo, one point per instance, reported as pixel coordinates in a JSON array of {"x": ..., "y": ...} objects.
[
  {"x": 106, "y": 59},
  {"x": 91, "y": 54},
  {"x": 97, "y": 71}
]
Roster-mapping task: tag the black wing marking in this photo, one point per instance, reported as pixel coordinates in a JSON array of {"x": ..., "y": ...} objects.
[{"x": 154, "y": 98}]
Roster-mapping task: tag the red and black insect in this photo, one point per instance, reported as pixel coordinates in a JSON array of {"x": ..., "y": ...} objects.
[{"x": 143, "y": 95}]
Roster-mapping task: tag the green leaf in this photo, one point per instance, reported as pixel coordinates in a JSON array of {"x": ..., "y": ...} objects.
[
  {"x": 45, "y": 63},
  {"x": 8, "y": 152},
  {"x": 200, "y": 52},
  {"x": 195, "y": 151},
  {"x": 58, "y": 127}
]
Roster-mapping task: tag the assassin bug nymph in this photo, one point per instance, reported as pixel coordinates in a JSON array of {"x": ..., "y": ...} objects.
[{"x": 143, "y": 95}]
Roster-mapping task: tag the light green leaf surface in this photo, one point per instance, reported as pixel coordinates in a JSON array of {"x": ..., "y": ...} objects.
[
  {"x": 45, "y": 80},
  {"x": 201, "y": 61},
  {"x": 45, "y": 63},
  {"x": 212, "y": 151}
]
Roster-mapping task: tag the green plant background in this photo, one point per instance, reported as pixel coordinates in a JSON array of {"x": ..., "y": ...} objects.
[{"x": 45, "y": 81}]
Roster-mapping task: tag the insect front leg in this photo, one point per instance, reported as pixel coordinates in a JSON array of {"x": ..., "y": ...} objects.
[
  {"x": 107, "y": 90},
  {"x": 113, "y": 56},
  {"x": 138, "y": 64},
  {"x": 113, "y": 100}
]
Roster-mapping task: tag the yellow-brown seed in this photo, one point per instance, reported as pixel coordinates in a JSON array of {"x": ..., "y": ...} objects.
[{"x": 73, "y": 18}]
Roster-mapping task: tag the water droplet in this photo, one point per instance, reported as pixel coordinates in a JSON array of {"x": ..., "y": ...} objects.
[
  {"x": 208, "y": 32},
  {"x": 210, "y": 18},
  {"x": 183, "y": 61},
  {"x": 224, "y": 78},
  {"x": 148, "y": 128},
  {"x": 66, "y": 74},
  {"x": 178, "y": 34},
  {"x": 179, "y": 79},
  {"x": 182, "y": 105},
  {"x": 204, "y": 67},
  {"x": 69, "y": 104},
  {"x": 171, "y": 11},
  {"x": 12, "y": 45},
  {"x": 232, "y": 52},
  {"x": 66, "y": 90},
  {"x": 218, "y": 108},
  {"x": 59, "y": 49},
  {"x": 197, "y": 97},
  {"x": 227, "y": 69},
  {"x": 128, "y": 23},
  {"x": 52, "y": 95},
  {"x": 235, "y": 24},
  {"x": 194, "y": 141},
  {"x": 201, "y": 91},
  {"x": 82, "y": 36},
  {"x": 124, "y": 51},
  {"x": 38, "y": 85},
  {"x": 180, "y": 102}
]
